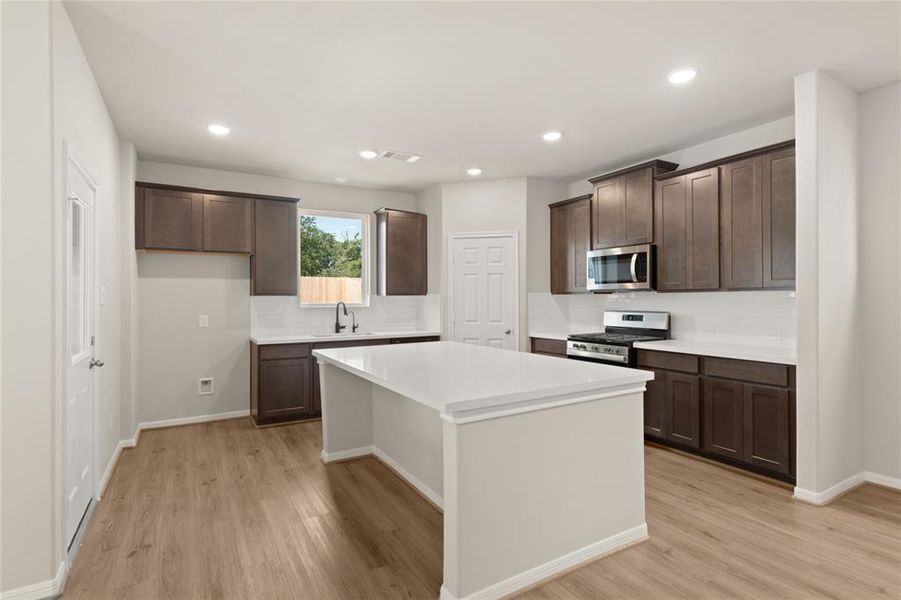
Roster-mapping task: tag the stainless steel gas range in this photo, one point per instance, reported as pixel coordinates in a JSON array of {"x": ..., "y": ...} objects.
[{"x": 621, "y": 330}]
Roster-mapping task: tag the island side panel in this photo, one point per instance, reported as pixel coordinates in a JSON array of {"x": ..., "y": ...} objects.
[
  {"x": 346, "y": 414},
  {"x": 408, "y": 436},
  {"x": 533, "y": 494}
]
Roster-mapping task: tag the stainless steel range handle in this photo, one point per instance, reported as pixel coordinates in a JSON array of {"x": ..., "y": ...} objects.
[{"x": 632, "y": 266}]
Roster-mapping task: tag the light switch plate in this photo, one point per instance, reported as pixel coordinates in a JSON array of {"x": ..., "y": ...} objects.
[
  {"x": 205, "y": 386},
  {"x": 203, "y": 321}
]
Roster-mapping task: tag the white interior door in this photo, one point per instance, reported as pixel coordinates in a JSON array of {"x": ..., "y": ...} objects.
[
  {"x": 80, "y": 311},
  {"x": 484, "y": 290}
]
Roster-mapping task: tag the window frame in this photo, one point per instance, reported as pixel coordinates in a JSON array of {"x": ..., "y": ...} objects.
[{"x": 366, "y": 253}]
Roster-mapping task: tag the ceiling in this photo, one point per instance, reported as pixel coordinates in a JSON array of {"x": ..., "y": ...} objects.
[{"x": 305, "y": 86}]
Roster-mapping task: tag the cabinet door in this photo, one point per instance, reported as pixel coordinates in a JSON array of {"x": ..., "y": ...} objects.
[
  {"x": 655, "y": 405},
  {"x": 724, "y": 418},
  {"x": 284, "y": 389},
  {"x": 315, "y": 394},
  {"x": 561, "y": 250},
  {"x": 671, "y": 234},
  {"x": 273, "y": 265},
  {"x": 742, "y": 224},
  {"x": 227, "y": 224},
  {"x": 638, "y": 199},
  {"x": 405, "y": 259},
  {"x": 766, "y": 427},
  {"x": 570, "y": 241},
  {"x": 683, "y": 409},
  {"x": 607, "y": 213},
  {"x": 580, "y": 236},
  {"x": 779, "y": 219},
  {"x": 173, "y": 220},
  {"x": 702, "y": 195}
]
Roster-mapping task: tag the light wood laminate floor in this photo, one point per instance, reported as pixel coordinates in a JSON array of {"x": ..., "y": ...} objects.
[{"x": 225, "y": 510}]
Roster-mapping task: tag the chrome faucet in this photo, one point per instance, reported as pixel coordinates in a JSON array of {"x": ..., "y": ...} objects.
[{"x": 338, "y": 325}]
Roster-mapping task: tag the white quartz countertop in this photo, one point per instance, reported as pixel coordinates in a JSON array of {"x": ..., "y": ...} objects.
[
  {"x": 546, "y": 335},
  {"x": 784, "y": 355},
  {"x": 451, "y": 377},
  {"x": 264, "y": 339}
]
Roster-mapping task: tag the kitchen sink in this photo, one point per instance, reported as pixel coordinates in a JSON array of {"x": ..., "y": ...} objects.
[{"x": 320, "y": 335}]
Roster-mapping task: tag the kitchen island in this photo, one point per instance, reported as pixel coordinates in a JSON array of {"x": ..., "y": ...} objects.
[{"x": 537, "y": 463}]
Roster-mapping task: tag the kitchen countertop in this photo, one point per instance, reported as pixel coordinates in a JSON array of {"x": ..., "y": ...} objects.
[
  {"x": 549, "y": 336},
  {"x": 265, "y": 339},
  {"x": 451, "y": 376},
  {"x": 763, "y": 353}
]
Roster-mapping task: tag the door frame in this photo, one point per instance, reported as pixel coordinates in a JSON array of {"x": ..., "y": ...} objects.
[
  {"x": 511, "y": 234},
  {"x": 61, "y": 360}
]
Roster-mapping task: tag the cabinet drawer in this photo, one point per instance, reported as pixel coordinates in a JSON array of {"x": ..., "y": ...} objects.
[
  {"x": 284, "y": 351},
  {"x": 670, "y": 361},
  {"x": 548, "y": 346},
  {"x": 746, "y": 370}
]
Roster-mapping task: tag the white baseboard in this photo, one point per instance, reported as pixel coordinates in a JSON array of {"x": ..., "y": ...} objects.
[
  {"x": 554, "y": 567},
  {"x": 40, "y": 590},
  {"x": 191, "y": 420},
  {"x": 330, "y": 457},
  {"x": 104, "y": 481},
  {"x": 883, "y": 480},
  {"x": 433, "y": 496},
  {"x": 830, "y": 493}
]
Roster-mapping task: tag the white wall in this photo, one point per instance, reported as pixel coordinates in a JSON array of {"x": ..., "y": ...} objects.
[
  {"x": 880, "y": 305},
  {"x": 49, "y": 95},
  {"x": 174, "y": 289},
  {"x": 173, "y": 352},
  {"x": 498, "y": 205},
  {"x": 540, "y": 193},
  {"x": 754, "y": 318},
  {"x": 749, "y": 139},
  {"x": 830, "y": 448},
  {"x": 81, "y": 120},
  {"x": 28, "y": 416}
]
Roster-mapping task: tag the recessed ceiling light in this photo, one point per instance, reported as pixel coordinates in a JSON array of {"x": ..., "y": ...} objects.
[
  {"x": 475, "y": 171},
  {"x": 551, "y": 136},
  {"x": 341, "y": 179},
  {"x": 218, "y": 129},
  {"x": 413, "y": 158},
  {"x": 368, "y": 154},
  {"x": 681, "y": 76}
]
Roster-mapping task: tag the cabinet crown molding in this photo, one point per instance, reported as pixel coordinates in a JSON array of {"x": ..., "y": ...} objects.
[{"x": 659, "y": 166}]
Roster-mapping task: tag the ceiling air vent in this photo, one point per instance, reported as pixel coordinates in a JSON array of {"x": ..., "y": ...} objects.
[{"x": 401, "y": 156}]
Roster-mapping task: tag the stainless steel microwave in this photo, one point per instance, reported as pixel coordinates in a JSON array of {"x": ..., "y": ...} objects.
[{"x": 626, "y": 268}]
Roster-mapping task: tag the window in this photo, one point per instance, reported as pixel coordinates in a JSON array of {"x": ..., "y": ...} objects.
[{"x": 334, "y": 258}]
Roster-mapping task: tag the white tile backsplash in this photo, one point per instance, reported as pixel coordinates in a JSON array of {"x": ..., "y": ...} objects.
[
  {"x": 278, "y": 314},
  {"x": 753, "y": 317}
]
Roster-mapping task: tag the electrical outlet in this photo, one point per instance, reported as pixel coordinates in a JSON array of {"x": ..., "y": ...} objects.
[
  {"x": 203, "y": 321},
  {"x": 205, "y": 386}
]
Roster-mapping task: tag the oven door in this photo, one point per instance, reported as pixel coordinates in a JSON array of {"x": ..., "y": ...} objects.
[{"x": 626, "y": 268}]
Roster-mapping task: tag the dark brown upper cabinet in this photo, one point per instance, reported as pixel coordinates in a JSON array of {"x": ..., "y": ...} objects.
[
  {"x": 401, "y": 253},
  {"x": 687, "y": 231},
  {"x": 570, "y": 241},
  {"x": 227, "y": 224},
  {"x": 168, "y": 219},
  {"x": 622, "y": 205},
  {"x": 779, "y": 219},
  {"x": 758, "y": 221},
  {"x": 273, "y": 264}
]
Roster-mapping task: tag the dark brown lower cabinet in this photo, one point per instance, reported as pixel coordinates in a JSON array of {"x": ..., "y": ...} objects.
[
  {"x": 655, "y": 406},
  {"x": 767, "y": 431},
  {"x": 549, "y": 347},
  {"x": 683, "y": 409},
  {"x": 724, "y": 417},
  {"x": 741, "y": 412},
  {"x": 284, "y": 378}
]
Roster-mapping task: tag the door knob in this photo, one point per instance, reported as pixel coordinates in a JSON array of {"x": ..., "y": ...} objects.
[
  {"x": 95, "y": 363},
  {"x": 507, "y": 331}
]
